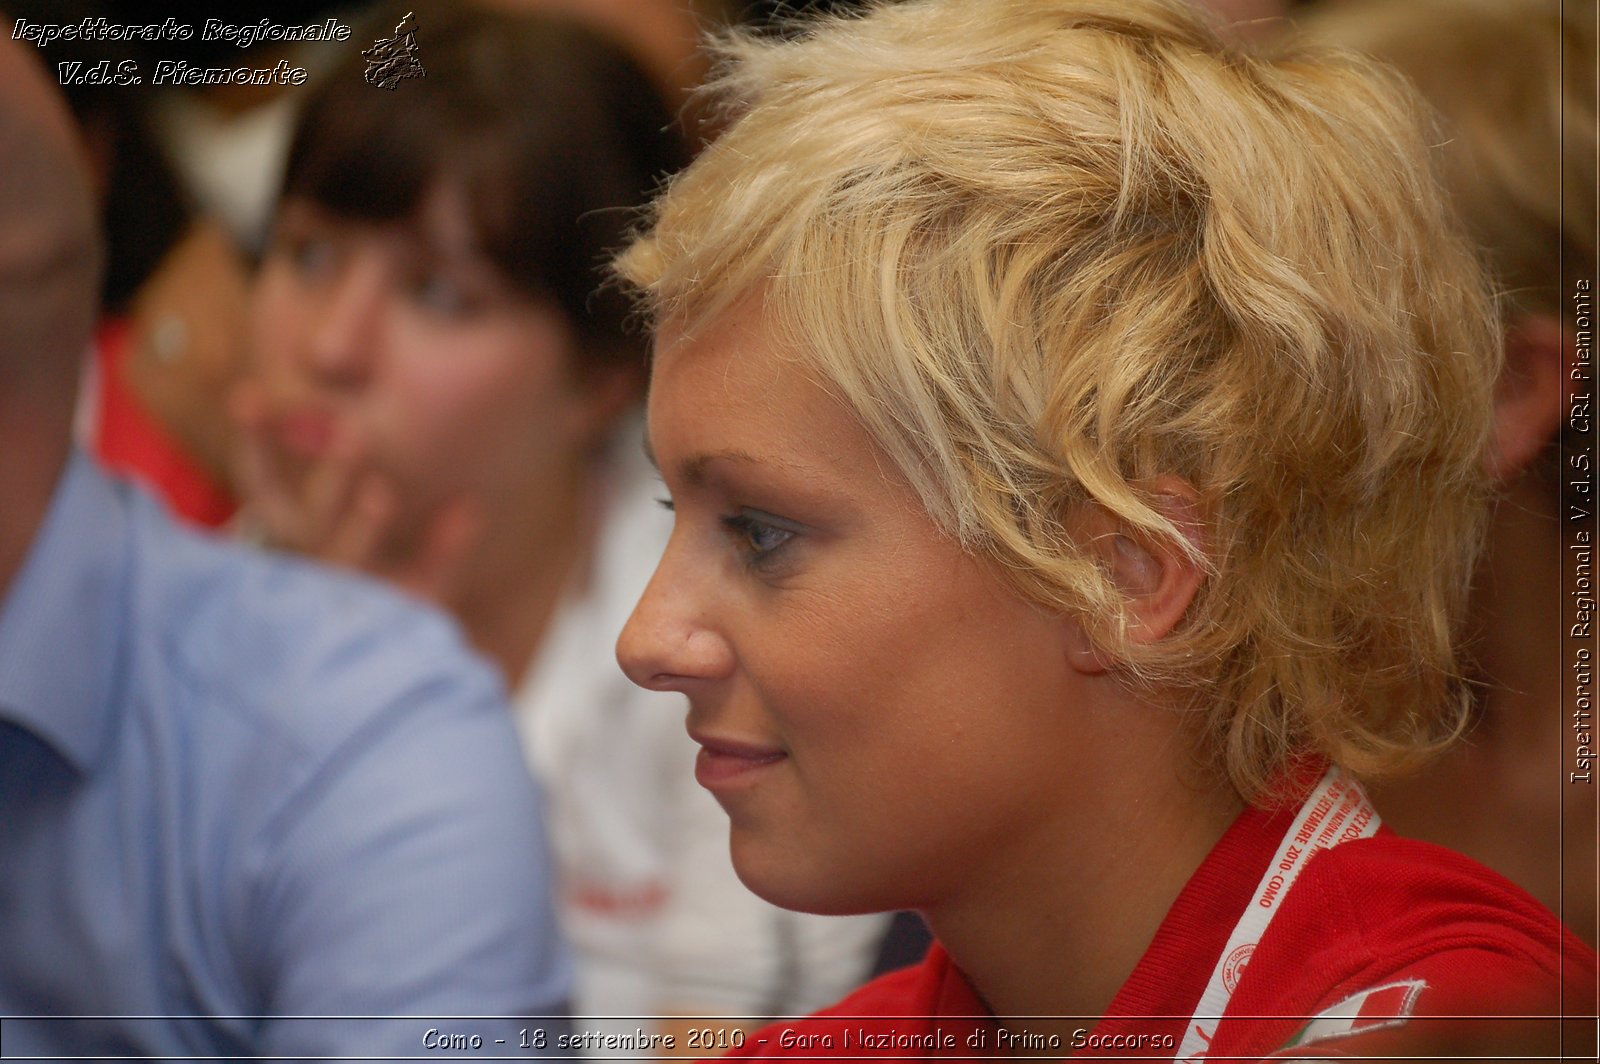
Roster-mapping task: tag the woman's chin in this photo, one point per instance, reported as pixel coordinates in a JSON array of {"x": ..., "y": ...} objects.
[{"x": 791, "y": 879}]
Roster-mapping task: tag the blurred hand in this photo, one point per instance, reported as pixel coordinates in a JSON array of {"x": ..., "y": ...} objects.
[{"x": 341, "y": 511}]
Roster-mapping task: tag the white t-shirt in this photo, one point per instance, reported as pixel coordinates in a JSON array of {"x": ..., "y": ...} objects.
[{"x": 659, "y": 921}]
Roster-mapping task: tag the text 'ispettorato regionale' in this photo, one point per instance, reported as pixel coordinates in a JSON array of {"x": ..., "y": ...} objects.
[{"x": 178, "y": 71}]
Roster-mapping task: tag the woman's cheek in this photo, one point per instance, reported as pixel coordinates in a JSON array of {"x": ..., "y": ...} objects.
[{"x": 439, "y": 430}]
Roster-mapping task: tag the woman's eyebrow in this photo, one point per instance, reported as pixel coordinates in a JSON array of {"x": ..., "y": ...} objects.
[{"x": 693, "y": 469}]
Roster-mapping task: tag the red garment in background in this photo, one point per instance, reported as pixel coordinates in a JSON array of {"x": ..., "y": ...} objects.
[{"x": 128, "y": 440}]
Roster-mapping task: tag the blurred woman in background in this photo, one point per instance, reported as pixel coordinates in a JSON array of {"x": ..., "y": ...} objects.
[{"x": 440, "y": 397}]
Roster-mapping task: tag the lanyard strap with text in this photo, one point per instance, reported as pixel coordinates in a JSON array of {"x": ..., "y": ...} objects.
[{"x": 1337, "y": 811}]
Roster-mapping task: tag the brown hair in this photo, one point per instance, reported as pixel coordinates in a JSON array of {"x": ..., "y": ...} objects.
[{"x": 550, "y": 131}]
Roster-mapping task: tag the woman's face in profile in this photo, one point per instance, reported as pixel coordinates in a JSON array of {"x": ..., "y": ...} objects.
[
  {"x": 404, "y": 339},
  {"x": 882, "y": 717}
]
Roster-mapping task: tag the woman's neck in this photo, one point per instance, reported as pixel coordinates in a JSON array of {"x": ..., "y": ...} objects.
[
  {"x": 1062, "y": 929},
  {"x": 526, "y": 566}
]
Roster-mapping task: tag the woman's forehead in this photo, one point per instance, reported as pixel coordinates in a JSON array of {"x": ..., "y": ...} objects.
[{"x": 731, "y": 392}]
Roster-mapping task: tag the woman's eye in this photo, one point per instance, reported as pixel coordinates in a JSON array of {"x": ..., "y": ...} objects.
[
  {"x": 312, "y": 256},
  {"x": 760, "y": 539},
  {"x": 442, "y": 294}
]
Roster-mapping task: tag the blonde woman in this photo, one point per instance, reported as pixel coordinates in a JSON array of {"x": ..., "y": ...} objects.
[{"x": 1074, "y": 428}]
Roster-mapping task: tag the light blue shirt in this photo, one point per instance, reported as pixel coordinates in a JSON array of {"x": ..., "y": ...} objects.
[{"x": 239, "y": 788}]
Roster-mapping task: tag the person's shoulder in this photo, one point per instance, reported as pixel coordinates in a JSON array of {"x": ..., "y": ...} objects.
[
  {"x": 1428, "y": 894},
  {"x": 1386, "y": 945},
  {"x": 311, "y": 653},
  {"x": 1389, "y": 911}
]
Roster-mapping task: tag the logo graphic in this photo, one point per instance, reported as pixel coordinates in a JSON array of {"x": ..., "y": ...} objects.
[
  {"x": 391, "y": 60},
  {"x": 1389, "y": 1005},
  {"x": 1233, "y": 967}
]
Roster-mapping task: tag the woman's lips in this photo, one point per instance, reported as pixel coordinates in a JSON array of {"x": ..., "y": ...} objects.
[
  {"x": 306, "y": 433},
  {"x": 725, "y": 763}
]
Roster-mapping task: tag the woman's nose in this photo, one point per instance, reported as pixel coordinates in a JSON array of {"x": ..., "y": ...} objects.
[
  {"x": 671, "y": 642},
  {"x": 348, "y": 329}
]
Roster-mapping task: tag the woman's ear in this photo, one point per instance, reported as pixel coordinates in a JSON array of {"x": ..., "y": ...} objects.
[
  {"x": 1531, "y": 395},
  {"x": 1157, "y": 579}
]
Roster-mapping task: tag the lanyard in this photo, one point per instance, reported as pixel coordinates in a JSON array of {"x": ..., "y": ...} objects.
[{"x": 1337, "y": 811}]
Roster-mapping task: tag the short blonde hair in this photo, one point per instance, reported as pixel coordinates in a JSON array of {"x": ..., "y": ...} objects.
[{"x": 1049, "y": 250}]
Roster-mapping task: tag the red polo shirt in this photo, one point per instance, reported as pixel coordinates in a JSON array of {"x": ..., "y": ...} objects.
[{"x": 1377, "y": 932}]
